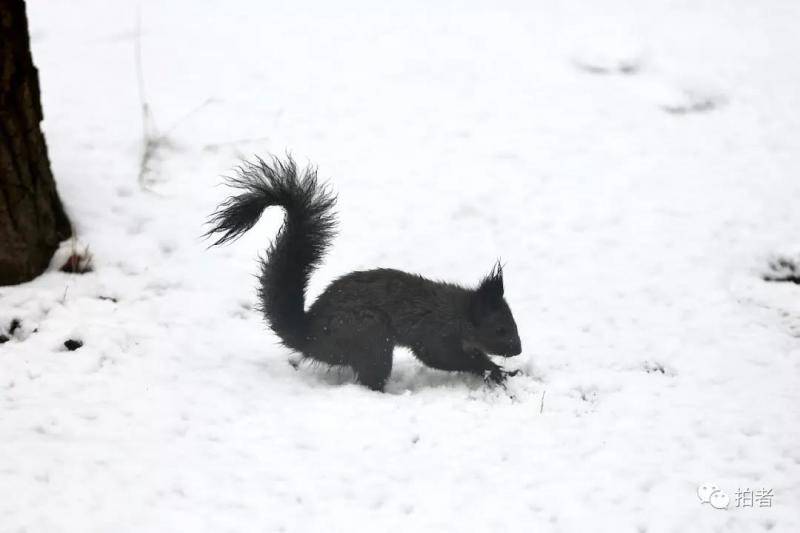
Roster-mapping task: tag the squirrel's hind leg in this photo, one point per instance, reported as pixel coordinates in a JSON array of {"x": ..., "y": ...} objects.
[
  {"x": 362, "y": 340},
  {"x": 374, "y": 366}
]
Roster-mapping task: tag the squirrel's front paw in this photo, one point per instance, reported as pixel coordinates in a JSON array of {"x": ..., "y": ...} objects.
[{"x": 498, "y": 375}]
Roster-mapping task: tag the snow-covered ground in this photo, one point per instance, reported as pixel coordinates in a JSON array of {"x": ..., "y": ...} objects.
[{"x": 635, "y": 165}]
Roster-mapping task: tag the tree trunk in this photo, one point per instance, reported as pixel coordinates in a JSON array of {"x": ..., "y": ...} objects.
[{"x": 32, "y": 219}]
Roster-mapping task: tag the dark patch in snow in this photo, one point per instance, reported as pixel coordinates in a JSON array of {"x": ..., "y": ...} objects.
[
  {"x": 108, "y": 298},
  {"x": 627, "y": 68},
  {"x": 72, "y": 344},
  {"x": 14, "y": 326},
  {"x": 654, "y": 367},
  {"x": 783, "y": 270},
  {"x": 587, "y": 394},
  {"x": 78, "y": 262},
  {"x": 693, "y": 102}
]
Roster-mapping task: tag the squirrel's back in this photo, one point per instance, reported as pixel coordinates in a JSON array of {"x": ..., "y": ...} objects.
[{"x": 410, "y": 303}]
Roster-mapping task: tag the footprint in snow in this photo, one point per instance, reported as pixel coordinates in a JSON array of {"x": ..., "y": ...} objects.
[
  {"x": 654, "y": 367},
  {"x": 610, "y": 51},
  {"x": 783, "y": 269},
  {"x": 784, "y": 272},
  {"x": 620, "y": 52},
  {"x": 687, "y": 100}
]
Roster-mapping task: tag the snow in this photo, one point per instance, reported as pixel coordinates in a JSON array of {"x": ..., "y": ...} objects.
[{"x": 636, "y": 211}]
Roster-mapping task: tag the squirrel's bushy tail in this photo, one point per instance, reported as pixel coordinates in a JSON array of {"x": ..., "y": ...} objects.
[{"x": 300, "y": 244}]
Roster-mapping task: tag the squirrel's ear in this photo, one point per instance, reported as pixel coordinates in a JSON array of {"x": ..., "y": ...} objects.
[
  {"x": 491, "y": 286},
  {"x": 488, "y": 295}
]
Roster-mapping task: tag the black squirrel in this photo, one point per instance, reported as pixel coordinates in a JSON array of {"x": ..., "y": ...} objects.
[{"x": 359, "y": 319}]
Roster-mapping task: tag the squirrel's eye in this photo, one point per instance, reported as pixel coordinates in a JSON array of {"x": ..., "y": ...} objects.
[{"x": 501, "y": 330}]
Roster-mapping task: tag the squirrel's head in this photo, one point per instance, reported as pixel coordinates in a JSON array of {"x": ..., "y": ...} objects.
[{"x": 495, "y": 329}]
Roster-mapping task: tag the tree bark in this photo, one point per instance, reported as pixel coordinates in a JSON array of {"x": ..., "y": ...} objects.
[{"x": 32, "y": 219}]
